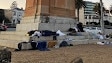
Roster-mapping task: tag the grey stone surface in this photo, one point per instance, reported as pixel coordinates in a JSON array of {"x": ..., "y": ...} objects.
[
  {"x": 62, "y": 27},
  {"x": 42, "y": 38},
  {"x": 27, "y": 27},
  {"x": 9, "y": 43},
  {"x": 46, "y": 26},
  {"x": 62, "y": 20},
  {"x": 55, "y": 23},
  {"x": 14, "y": 37}
]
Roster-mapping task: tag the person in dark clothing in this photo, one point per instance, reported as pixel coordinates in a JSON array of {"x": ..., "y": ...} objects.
[
  {"x": 31, "y": 32},
  {"x": 80, "y": 27},
  {"x": 46, "y": 19}
]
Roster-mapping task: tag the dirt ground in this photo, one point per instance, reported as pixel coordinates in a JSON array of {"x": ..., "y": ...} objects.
[{"x": 89, "y": 54}]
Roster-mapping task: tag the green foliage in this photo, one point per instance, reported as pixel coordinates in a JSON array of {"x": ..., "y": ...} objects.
[
  {"x": 79, "y": 4},
  {"x": 97, "y": 9}
]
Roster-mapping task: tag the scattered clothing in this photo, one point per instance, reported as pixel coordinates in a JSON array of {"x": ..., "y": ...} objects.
[
  {"x": 36, "y": 33},
  {"x": 75, "y": 28},
  {"x": 39, "y": 45},
  {"x": 80, "y": 27},
  {"x": 60, "y": 33},
  {"x": 33, "y": 44},
  {"x": 42, "y": 46},
  {"x": 48, "y": 33},
  {"x": 31, "y": 32},
  {"x": 63, "y": 44},
  {"x": 51, "y": 44},
  {"x": 24, "y": 46},
  {"x": 100, "y": 36},
  {"x": 101, "y": 43}
]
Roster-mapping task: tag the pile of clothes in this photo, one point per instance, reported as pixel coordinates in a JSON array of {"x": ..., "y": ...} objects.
[
  {"x": 41, "y": 33},
  {"x": 39, "y": 45}
]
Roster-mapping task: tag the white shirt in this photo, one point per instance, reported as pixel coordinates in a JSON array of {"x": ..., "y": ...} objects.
[{"x": 36, "y": 33}]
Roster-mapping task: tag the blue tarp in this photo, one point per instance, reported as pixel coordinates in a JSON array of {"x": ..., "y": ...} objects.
[{"x": 42, "y": 46}]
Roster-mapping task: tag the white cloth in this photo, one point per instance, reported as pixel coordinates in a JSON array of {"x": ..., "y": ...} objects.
[
  {"x": 60, "y": 33},
  {"x": 100, "y": 43},
  {"x": 36, "y": 33},
  {"x": 100, "y": 37},
  {"x": 75, "y": 29}
]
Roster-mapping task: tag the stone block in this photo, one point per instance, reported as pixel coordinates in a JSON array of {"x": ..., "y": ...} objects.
[
  {"x": 62, "y": 27},
  {"x": 46, "y": 26},
  {"x": 42, "y": 38},
  {"x": 23, "y": 33},
  {"x": 77, "y": 42},
  {"x": 61, "y": 37},
  {"x": 27, "y": 27},
  {"x": 14, "y": 37},
  {"x": 10, "y": 43},
  {"x": 61, "y": 20}
]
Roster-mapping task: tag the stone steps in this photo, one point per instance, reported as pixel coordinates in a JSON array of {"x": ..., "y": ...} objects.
[
  {"x": 11, "y": 40},
  {"x": 14, "y": 37},
  {"x": 23, "y": 33},
  {"x": 71, "y": 37},
  {"x": 14, "y": 43},
  {"x": 59, "y": 38},
  {"x": 88, "y": 41},
  {"x": 10, "y": 43},
  {"x": 87, "y": 35},
  {"x": 85, "y": 41},
  {"x": 42, "y": 38}
]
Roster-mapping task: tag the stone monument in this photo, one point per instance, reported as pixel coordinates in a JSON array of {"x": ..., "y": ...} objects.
[{"x": 48, "y": 15}]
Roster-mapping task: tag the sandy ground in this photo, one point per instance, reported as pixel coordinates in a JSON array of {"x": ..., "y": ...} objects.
[{"x": 89, "y": 54}]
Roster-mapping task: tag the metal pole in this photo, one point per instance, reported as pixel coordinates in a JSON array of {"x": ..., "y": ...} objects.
[
  {"x": 3, "y": 22},
  {"x": 101, "y": 18}
]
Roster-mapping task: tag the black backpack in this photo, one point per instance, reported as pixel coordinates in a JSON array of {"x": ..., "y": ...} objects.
[{"x": 63, "y": 44}]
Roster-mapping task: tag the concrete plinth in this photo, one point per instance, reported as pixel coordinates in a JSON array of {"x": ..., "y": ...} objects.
[{"x": 54, "y": 23}]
